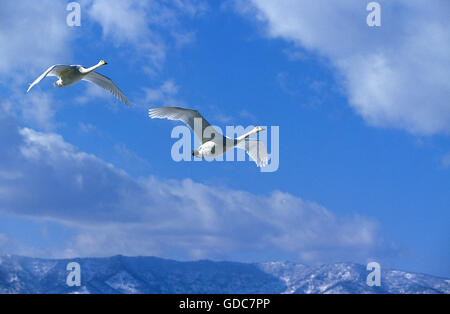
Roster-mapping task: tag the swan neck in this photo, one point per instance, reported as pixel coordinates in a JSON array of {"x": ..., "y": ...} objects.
[
  {"x": 91, "y": 69},
  {"x": 243, "y": 137}
]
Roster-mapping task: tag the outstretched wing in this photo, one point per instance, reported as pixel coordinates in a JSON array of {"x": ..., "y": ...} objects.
[
  {"x": 256, "y": 150},
  {"x": 189, "y": 117},
  {"x": 106, "y": 83},
  {"x": 54, "y": 70}
]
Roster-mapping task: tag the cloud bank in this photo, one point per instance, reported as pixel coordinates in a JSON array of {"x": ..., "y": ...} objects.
[
  {"x": 395, "y": 75},
  {"x": 43, "y": 177}
]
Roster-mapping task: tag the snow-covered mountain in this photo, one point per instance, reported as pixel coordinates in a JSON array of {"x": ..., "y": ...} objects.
[{"x": 120, "y": 274}]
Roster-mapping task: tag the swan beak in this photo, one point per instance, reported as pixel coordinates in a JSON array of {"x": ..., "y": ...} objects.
[
  {"x": 260, "y": 129},
  {"x": 103, "y": 62}
]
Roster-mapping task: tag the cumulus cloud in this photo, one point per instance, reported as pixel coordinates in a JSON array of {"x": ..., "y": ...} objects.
[
  {"x": 142, "y": 23},
  {"x": 395, "y": 75},
  {"x": 44, "y": 177}
]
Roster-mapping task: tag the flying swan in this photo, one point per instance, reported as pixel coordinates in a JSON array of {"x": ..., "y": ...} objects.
[
  {"x": 71, "y": 74},
  {"x": 213, "y": 143}
]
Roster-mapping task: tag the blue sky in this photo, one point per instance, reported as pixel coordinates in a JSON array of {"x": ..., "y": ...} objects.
[{"x": 363, "y": 114}]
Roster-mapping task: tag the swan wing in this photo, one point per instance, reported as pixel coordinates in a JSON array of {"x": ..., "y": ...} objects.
[
  {"x": 256, "y": 150},
  {"x": 106, "y": 83},
  {"x": 54, "y": 70},
  {"x": 187, "y": 116}
]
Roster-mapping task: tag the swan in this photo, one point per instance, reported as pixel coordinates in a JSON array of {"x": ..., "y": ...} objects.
[
  {"x": 213, "y": 143},
  {"x": 71, "y": 74}
]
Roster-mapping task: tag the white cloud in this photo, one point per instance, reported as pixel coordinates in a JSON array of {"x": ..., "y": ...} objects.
[
  {"x": 86, "y": 127},
  {"x": 37, "y": 109},
  {"x": 167, "y": 89},
  {"x": 163, "y": 95},
  {"x": 142, "y": 24},
  {"x": 33, "y": 34},
  {"x": 113, "y": 212},
  {"x": 396, "y": 75},
  {"x": 127, "y": 22}
]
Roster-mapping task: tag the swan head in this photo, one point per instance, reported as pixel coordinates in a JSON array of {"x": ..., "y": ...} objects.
[
  {"x": 102, "y": 62},
  {"x": 259, "y": 129}
]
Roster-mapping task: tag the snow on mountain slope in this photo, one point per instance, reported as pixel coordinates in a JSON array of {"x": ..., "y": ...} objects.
[
  {"x": 351, "y": 278},
  {"x": 121, "y": 274}
]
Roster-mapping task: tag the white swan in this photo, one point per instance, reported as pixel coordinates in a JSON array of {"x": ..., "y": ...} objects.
[
  {"x": 213, "y": 143},
  {"x": 71, "y": 74}
]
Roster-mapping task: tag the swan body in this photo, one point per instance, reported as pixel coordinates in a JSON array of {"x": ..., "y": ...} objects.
[
  {"x": 213, "y": 143},
  {"x": 70, "y": 74},
  {"x": 214, "y": 148}
]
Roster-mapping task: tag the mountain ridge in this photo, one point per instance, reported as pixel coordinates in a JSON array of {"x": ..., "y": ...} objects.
[{"x": 148, "y": 274}]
